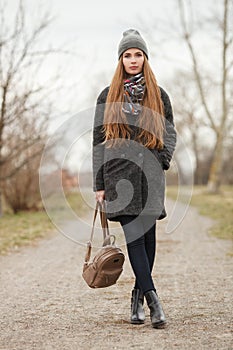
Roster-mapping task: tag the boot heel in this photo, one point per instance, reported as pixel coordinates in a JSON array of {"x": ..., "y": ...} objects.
[{"x": 156, "y": 311}]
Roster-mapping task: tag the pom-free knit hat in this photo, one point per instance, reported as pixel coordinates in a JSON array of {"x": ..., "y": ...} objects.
[{"x": 132, "y": 38}]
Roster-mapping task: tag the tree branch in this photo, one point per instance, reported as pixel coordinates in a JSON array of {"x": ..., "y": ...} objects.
[
  {"x": 187, "y": 38},
  {"x": 224, "y": 66},
  {"x": 16, "y": 169}
]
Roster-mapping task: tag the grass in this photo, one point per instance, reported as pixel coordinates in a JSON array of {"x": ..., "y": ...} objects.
[
  {"x": 23, "y": 228},
  {"x": 217, "y": 206},
  {"x": 77, "y": 203}
]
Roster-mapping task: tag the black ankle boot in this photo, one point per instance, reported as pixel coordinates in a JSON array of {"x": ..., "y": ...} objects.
[
  {"x": 137, "y": 312},
  {"x": 156, "y": 312}
]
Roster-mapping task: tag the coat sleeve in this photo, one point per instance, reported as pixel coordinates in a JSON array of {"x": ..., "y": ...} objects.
[
  {"x": 170, "y": 133},
  {"x": 97, "y": 142}
]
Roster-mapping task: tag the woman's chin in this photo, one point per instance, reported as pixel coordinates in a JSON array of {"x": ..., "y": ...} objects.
[{"x": 133, "y": 73}]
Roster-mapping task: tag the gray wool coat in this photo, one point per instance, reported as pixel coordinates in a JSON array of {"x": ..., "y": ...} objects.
[{"x": 132, "y": 175}]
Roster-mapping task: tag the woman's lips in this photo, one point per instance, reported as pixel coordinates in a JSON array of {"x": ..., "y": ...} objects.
[{"x": 133, "y": 67}]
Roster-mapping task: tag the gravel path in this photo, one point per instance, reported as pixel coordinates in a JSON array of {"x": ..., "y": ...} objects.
[{"x": 46, "y": 305}]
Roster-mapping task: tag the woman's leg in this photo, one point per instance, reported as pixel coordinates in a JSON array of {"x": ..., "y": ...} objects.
[
  {"x": 134, "y": 230},
  {"x": 142, "y": 265},
  {"x": 150, "y": 239},
  {"x": 149, "y": 223}
]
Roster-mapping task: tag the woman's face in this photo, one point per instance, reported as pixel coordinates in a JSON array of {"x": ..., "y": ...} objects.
[{"x": 133, "y": 60}]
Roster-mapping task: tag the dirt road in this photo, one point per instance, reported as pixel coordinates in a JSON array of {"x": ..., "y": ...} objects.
[{"x": 46, "y": 305}]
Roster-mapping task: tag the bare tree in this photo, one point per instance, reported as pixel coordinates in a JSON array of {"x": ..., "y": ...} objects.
[
  {"x": 222, "y": 122},
  {"x": 21, "y": 177},
  {"x": 188, "y": 114},
  {"x": 227, "y": 174},
  {"x": 192, "y": 124},
  {"x": 25, "y": 107}
]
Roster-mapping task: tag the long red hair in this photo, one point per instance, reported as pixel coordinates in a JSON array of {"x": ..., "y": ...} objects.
[{"x": 151, "y": 121}]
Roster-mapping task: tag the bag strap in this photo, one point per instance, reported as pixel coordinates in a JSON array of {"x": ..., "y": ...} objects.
[
  {"x": 105, "y": 228},
  {"x": 104, "y": 223},
  {"x": 103, "y": 219}
]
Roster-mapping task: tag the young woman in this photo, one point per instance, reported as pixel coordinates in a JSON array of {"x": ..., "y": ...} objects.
[{"x": 133, "y": 142}]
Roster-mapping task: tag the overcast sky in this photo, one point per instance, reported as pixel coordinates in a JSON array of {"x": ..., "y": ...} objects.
[{"x": 93, "y": 30}]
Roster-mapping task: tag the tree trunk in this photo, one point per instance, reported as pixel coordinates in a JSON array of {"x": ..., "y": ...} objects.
[
  {"x": 214, "y": 180},
  {"x": 1, "y": 213},
  {"x": 216, "y": 166},
  {"x": 197, "y": 174},
  {"x": 1, "y": 209}
]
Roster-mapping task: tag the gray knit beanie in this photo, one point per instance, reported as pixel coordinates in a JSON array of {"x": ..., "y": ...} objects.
[{"x": 132, "y": 38}]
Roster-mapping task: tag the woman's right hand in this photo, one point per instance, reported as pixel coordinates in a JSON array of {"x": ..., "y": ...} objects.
[{"x": 100, "y": 195}]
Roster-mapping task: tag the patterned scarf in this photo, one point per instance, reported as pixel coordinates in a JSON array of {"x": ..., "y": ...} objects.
[{"x": 134, "y": 89}]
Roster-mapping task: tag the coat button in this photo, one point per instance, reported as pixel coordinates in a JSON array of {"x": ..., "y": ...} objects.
[
  {"x": 140, "y": 154},
  {"x": 122, "y": 155}
]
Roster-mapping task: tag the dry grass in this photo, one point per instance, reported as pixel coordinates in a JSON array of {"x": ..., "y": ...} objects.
[
  {"x": 217, "y": 206},
  {"x": 23, "y": 228}
]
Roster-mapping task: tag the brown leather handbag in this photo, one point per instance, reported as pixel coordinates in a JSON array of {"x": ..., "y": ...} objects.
[{"x": 107, "y": 265}]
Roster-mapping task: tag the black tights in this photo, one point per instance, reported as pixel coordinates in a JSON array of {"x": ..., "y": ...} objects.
[{"x": 140, "y": 238}]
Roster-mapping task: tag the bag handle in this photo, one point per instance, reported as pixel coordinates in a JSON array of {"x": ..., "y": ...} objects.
[
  {"x": 103, "y": 219},
  {"x": 105, "y": 228}
]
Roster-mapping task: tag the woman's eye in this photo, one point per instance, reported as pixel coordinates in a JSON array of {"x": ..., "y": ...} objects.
[{"x": 136, "y": 55}]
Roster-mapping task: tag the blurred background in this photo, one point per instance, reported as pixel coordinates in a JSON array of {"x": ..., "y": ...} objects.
[{"x": 55, "y": 59}]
